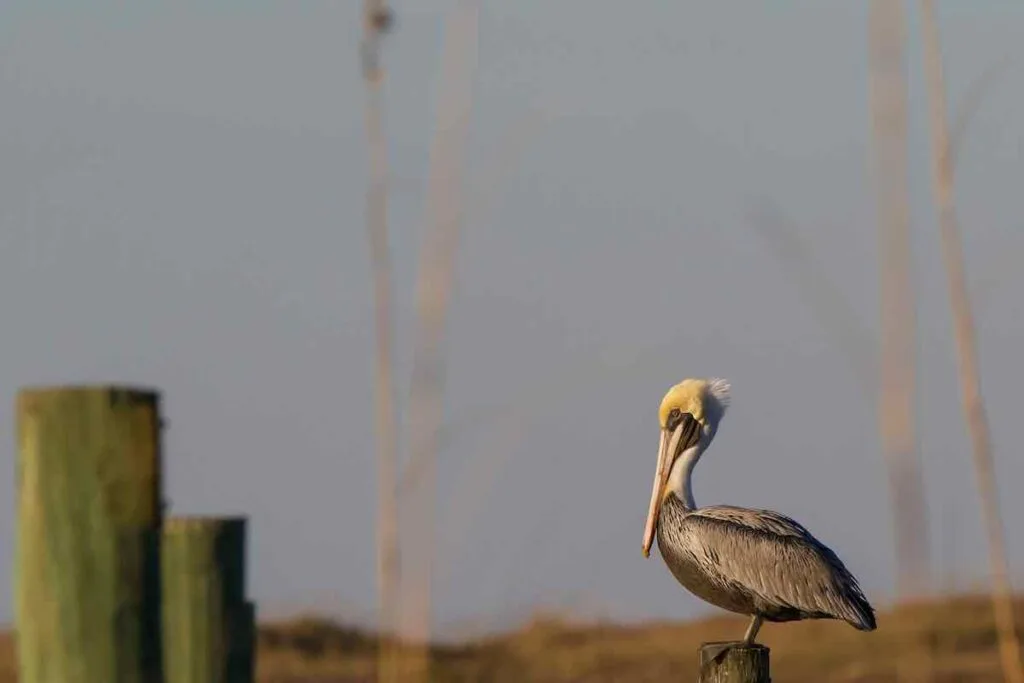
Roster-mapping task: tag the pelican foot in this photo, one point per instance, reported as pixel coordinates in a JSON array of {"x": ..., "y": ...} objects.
[{"x": 717, "y": 651}]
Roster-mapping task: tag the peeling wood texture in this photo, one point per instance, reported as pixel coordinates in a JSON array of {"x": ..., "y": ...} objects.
[
  {"x": 208, "y": 629},
  {"x": 738, "y": 664},
  {"x": 87, "y": 587}
]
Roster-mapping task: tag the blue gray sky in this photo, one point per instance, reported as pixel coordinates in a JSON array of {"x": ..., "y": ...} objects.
[{"x": 182, "y": 204}]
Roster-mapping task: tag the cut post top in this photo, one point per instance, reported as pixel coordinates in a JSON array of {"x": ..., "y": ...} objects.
[
  {"x": 32, "y": 398},
  {"x": 733, "y": 645},
  {"x": 186, "y": 523},
  {"x": 126, "y": 389}
]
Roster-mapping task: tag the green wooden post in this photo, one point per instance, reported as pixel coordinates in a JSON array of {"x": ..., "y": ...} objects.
[
  {"x": 86, "y": 578},
  {"x": 208, "y": 625},
  {"x": 242, "y": 648},
  {"x": 734, "y": 662}
]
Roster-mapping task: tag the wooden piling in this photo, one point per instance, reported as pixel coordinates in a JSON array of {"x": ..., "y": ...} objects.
[
  {"x": 86, "y": 584},
  {"x": 734, "y": 662},
  {"x": 208, "y": 627}
]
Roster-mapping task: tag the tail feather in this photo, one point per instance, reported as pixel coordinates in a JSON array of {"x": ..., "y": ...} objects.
[
  {"x": 848, "y": 600},
  {"x": 865, "y": 619},
  {"x": 853, "y": 606},
  {"x": 856, "y": 610}
]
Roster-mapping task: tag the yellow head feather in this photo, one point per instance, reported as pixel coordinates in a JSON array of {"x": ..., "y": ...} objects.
[{"x": 691, "y": 396}]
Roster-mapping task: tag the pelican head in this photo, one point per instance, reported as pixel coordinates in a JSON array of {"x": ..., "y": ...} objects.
[{"x": 689, "y": 416}]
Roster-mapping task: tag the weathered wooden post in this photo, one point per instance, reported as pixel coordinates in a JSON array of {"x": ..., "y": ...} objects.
[
  {"x": 734, "y": 662},
  {"x": 208, "y": 626},
  {"x": 86, "y": 584}
]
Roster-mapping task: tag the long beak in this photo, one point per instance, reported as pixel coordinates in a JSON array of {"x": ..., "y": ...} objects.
[{"x": 667, "y": 451}]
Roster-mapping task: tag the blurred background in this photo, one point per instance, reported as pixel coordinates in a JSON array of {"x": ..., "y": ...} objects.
[{"x": 622, "y": 195}]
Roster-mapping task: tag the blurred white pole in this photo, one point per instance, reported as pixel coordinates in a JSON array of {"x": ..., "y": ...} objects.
[{"x": 966, "y": 347}]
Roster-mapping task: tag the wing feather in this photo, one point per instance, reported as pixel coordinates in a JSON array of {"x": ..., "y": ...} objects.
[{"x": 776, "y": 560}]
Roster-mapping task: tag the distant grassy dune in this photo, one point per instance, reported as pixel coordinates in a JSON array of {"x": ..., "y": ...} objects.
[{"x": 955, "y": 637}]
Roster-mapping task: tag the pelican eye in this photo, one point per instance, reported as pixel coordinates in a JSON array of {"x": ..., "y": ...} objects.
[{"x": 674, "y": 418}]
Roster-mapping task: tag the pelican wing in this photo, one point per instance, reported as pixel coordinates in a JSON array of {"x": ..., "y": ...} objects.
[{"x": 777, "y": 561}]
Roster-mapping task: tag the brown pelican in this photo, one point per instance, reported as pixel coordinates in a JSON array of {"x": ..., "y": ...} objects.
[{"x": 754, "y": 562}]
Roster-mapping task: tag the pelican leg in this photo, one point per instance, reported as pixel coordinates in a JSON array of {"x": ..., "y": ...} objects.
[{"x": 755, "y": 626}]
